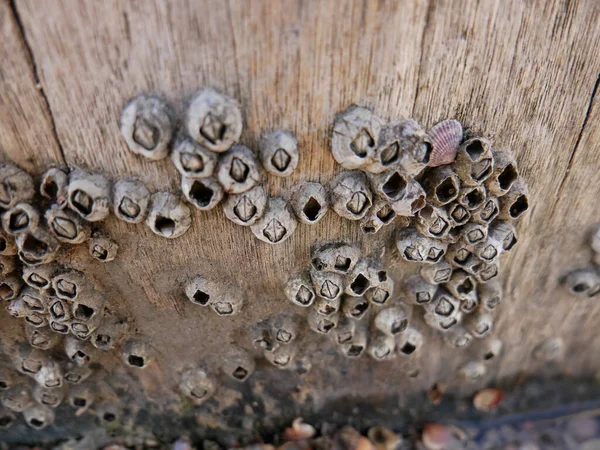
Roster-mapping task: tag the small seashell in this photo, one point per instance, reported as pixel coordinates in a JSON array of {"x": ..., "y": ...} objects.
[
  {"x": 299, "y": 431},
  {"x": 349, "y": 438},
  {"x": 441, "y": 437},
  {"x": 445, "y": 138},
  {"x": 488, "y": 399}
]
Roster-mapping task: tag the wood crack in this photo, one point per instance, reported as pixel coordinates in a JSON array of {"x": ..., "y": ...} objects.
[
  {"x": 430, "y": 7},
  {"x": 34, "y": 68}
]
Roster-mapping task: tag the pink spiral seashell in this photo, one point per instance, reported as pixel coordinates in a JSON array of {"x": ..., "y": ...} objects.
[{"x": 445, "y": 138}]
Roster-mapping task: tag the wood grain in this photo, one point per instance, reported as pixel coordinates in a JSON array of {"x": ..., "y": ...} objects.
[{"x": 523, "y": 72}]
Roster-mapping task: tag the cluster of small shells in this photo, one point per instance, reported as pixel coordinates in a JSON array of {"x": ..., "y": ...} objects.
[
  {"x": 215, "y": 169},
  {"x": 585, "y": 281},
  {"x": 64, "y": 315}
]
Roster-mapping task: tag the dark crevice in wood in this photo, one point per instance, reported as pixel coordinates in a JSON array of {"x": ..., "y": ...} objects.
[
  {"x": 428, "y": 14},
  {"x": 34, "y": 68}
]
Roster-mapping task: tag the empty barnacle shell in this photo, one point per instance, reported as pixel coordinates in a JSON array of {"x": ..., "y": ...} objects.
[
  {"x": 458, "y": 337},
  {"x": 492, "y": 349},
  {"x": 461, "y": 285},
  {"x": 238, "y": 170},
  {"x": 246, "y": 208},
  {"x": 584, "y": 282},
  {"x": 479, "y": 324},
  {"x": 61, "y": 327},
  {"x": 310, "y": 202},
  {"x": 37, "y": 247},
  {"x": 409, "y": 342},
  {"x": 384, "y": 439},
  {"x": 445, "y": 138},
  {"x": 488, "y": 250},
  {"x": 473, "y": 371},
  {"x": 68, "y": 285},
  {"x": 239, "y": 365},
  {"x": 192, "y": 160},
  {"x": 391, "y": 320},
  {"x": 147, "y": 126},
  {"x": 355, "y": 347},
  {"x": 414, "y": 247},
  {"x": 168, "y": 216},
  {"x": 42, "y": 338},
  {"x": 355, "y": 136},
  {"x": 299, "y": 290},
  {"x": 7, "y": 418},
  {"x": 457, "y": 214},
  {"x": 472, "y": 197},
  {"x": 16, "y": 186},
  {"x": 549, "y": 349},
  {"x": 381, "y": 347},
  {"x": 277, "y": 224},
  {"x": 359, "y": 279},
  {"x": 50, "y": 374},
  {"x": 21, "y": 218},
  {"x": 474, "y": 162},
  {"x": 17, "y": 398},
  {"x": 214, "y": 120},
  {"x": 203, "y": 193},
  {"x": 38, "y": 416},
  {"x": 299, "y": 431},
  {"x": 78, "y": 351},
  {"x": 8, "y": 246},
  {"x": 81, "y": 397},
  {"x": 433, "y": 222},
  {"x": 320, "y": 323},
  {"x": 488, "y": 211},
  {"x": 137, "y": 353},
  {"x": 75, "y": 374},
  {"x": 344, "y": 331},
  {"x": 504, "y": 174},
  {"x": 416, "y": 291},
  {"x": 10, "y": 286},
  {"x": 229, "y": 303},
  {"x": 88, "y": 307},
  {"x": 437, "y": 273},
  {"x": 279, "y": 152},
  {"x": 102, "y": 248},
  {"x": 66, "y": 225},
  {"x": 282, "y": 357},
  {"x": 474, "y": 233},
  {"x": 441, "y": 185},
  {"x": 130, "y": 200},
  {"x": 412, "y": 201},
  {"x": 7, "y": 265},
  {"x": 84, "y": 329},
  {"x": 515, "y": 202},
  {"x": 487, "y": 272},
  {"x": 335, "y": 257},
  {"x": 351, "y": 197},
  {"x": 59, "y": 310},
  {"x": 389, "y": 186},
  {"x": 459, "y": 254},
  {"x": 108, "y": 335},
  {"x": 503, "y": 231},
  {"x": 488, "y": 399},
  {"x": 89, "y": 195},
  {"x": 469, "y": 302},
  {"x": 327, "y": 307},
  {"x": 354, "y": 307},
  {"x": 443, "y": 312},
  {"x": 380, "y": 214},
  {"x": 328, "y": 285},
  {"x": 198, "y": 385},
  {"x": 54, "y": 186},
  {"x": 381, "y": 290},
  {"x": 285, "y": 327}
]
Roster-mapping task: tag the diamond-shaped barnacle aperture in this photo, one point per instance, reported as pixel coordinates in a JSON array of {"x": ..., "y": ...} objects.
[
  {"x": 359, "y": 280},
  {"x": 380, "y": 214},
  {"x": 277, "y": 224},
  {"x": 389, "y": 185},
  {"x": 504, "y": 173},
  {"x": 130, "y": 200},
  {"x": 329, "y": 285},
  {"x": 441, "y": 185},
  {"x": 89, "y": 195},
  {"x": 16, "y": 186},
  {"x": 327, "y": 307},
  {"x": 443, "y": 312},
  {"x": 54, "y": 186},
  {"x": 413, "y": 200},
  {"x": 239, "y": 170},
  {"x": 433, "y": 222},
  {"x": 67, "y": 226},
  {"x": 355, "y": 137},
  {"x": 137, "y": 353},
  {"x": 472, "y": 197},
  {"x": 487, "y": 212},
  {"x": 279, "y": 152},
  {"x": 479, "y": 324},
  {"x": 474, "y": 163},
  {"x": 203, "y": 193},
  {"x": 247, "y": 208},
  {"x": 69, "y": 284},
  {"x": 457, "y": 214},
  {"x": 147, "y": 126},
  {"x": 337, "y": 257},
  {"x": 437, "y": 273},
  {"x": 392, "y": 320},
  {"x": 416, "y": 291},
  {"x": 37, "y": 247},
  {"x": 382, "y": 285},
  {"x": 388, "y": 152},
  {"x": 474, "y": 233},
  {"x": 344, "y": 331},
  {"x": 285, "y": 327},
  {"x": 238, "y": 365},
  {"x": 516, "y": 201},
  {"x": 488, "y": 271},
  {"x": 409, "y": 342},
  {"x": 460, "y": 254},
  {"x": 102, "y": 248},
  {"x": 230, "y": 303},
  {"x": 198, "y": 385},
  {"x": 299, "y": 290},
  {"x": 354, "y": 307},
  {"x": 320, "y": 323},
  {"x": 214, "y": 120},
  {"x": 505, "y": 232},
  {"x": 461, "y": 285},
  {"x": 350, "y": 195},
  {"x": 489, "y": 249},
  {"x": 310, "y": 202},
  {"x": 202, "y": 290},
  {"x": 20, "y": 218},
  {"x": 283, "y": 356},
  {"x": 584, "y": 282},
  {"x": 490, "y": 295},
  {"x": 458, "y": 337},
  {"x": 191, "y": 159},
  {"x": 168, "y": 217},
  {"x": 356, "y": 346},
  {"x": 78, "y": 351}
]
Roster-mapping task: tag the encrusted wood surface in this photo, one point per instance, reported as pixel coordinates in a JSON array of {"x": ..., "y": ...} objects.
[{"x": 524, "y": 73}]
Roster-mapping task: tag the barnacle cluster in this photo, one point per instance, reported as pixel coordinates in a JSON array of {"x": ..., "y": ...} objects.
[
  {"x": 585, "y": 281},
  {"x": 276, "y": 338}
]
